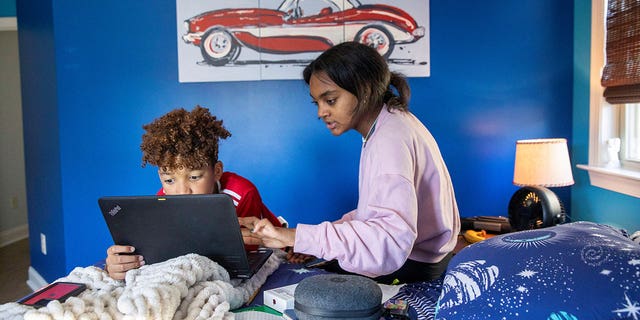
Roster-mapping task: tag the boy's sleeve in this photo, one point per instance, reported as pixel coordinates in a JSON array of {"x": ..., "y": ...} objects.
[{"x": 251, "y": 205}]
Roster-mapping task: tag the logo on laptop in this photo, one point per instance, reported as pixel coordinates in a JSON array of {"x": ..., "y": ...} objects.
[{"x": 115, "y": 210}]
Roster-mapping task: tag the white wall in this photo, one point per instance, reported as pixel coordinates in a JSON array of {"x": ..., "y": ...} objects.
[{"x": 13, "y": 202}]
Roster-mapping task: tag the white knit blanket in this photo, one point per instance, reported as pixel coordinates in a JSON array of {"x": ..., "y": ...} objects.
[{"x": 186, "y": 287}]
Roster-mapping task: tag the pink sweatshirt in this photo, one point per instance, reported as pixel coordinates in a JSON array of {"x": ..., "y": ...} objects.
[{"x": 406, "y": 206}]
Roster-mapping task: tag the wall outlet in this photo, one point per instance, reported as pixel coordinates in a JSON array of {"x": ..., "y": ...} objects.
[{"x": 43, "y": 244}]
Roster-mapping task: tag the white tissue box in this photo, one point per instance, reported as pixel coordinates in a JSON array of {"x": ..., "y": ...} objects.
[{"x": 281, "y": 298}]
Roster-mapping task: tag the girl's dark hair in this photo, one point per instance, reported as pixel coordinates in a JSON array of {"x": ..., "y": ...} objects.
[
  {"x": 363, "y": 72},
  {"x": 183, "y": 139}
]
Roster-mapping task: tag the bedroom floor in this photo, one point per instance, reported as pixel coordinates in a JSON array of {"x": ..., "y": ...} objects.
[{"x": 14, "y": 266}]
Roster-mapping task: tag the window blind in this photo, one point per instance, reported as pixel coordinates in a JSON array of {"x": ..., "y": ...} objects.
[{"x": 621, "y": 73}]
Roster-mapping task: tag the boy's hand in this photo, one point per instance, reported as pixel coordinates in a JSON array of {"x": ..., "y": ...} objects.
[{"x": 120, "y": 260}]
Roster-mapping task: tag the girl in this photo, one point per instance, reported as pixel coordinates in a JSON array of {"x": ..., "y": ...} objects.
[{"x": 406, "y": 222}]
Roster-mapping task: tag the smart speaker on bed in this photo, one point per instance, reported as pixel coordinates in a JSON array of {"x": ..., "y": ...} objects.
[{"x": 333, "y": 296}]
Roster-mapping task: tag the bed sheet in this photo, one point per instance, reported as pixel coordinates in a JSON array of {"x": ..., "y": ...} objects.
[
  {"x": 421, "y": 297},
  {"x": 574, "y": 271}
]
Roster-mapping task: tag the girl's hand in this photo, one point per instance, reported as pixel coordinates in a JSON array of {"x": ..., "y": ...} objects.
[
  {"x": 247, "y": 225},
  {"x": 262, "y": 229}
]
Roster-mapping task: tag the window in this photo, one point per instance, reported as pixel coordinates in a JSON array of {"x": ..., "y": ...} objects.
[
  {"x": 631, "y": 136},
  {"x": 610, "y": 121}
]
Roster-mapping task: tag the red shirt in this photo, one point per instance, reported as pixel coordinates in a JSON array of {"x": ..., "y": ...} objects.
[{"x": 246, "y": 198}]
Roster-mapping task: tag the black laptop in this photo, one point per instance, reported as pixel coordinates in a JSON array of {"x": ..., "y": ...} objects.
[{"x": 165, "y": 227}]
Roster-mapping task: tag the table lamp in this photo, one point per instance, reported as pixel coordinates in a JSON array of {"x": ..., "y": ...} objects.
[{"x": 540, "y": 163}]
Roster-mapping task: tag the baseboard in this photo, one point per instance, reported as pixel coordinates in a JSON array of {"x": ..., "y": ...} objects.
[
  {"x": 8, "y": 24},
  {"x": 35, "y": 281},
  {"x": 15, "y": 234}
]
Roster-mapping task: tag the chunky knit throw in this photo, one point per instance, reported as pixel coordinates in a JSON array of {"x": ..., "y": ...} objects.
[{"x": 186, "y": 287}]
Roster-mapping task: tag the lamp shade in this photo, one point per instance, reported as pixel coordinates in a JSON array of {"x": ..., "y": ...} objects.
[{"x": 542, "y": 162}]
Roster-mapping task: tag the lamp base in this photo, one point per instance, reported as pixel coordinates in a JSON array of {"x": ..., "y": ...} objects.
[{"x": 534, "y": 207}]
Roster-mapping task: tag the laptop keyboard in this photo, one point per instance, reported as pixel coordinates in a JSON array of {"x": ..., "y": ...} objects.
[{"x": 255, "y": 257}]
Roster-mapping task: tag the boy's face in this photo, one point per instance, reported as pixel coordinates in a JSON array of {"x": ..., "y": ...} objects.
[{"x": 191, "y": 181}]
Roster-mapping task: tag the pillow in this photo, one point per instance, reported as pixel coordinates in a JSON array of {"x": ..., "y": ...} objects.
[{"x": 579, "y": 270}]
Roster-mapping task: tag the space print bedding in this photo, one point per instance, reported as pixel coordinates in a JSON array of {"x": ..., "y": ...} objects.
[{"x": 575, "y": 271}]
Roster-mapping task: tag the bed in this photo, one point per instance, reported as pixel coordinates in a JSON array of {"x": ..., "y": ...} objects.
[
  {"x": 580, "y": 270},
  {"x": 574, "y": 271}
]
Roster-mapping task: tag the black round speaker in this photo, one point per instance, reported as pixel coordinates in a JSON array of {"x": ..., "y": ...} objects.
[{"x": 534, "y": 207}]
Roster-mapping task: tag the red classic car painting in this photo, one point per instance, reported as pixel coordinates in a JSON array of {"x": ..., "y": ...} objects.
[{"x": 299, "y": 26}]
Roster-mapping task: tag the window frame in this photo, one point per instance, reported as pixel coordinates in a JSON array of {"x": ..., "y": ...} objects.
[
  {"x": 631, "y": 113},
  {"x": 604, "y": 118}
]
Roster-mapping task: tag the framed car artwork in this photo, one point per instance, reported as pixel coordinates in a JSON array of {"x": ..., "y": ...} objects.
[{"x": 275, "y": 39}]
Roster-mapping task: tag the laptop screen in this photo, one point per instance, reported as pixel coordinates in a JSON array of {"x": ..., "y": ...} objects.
[{"x": 165, "y": 227}]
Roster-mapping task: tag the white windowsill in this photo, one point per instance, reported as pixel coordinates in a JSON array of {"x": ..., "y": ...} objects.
[{"x": 614, "y": 179}]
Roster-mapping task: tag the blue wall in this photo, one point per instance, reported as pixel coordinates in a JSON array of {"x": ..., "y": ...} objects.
[
  {"x": 588, "y": 202},
  {"x": 41, "y": 138},
  {"x": 92, "y": 74}
]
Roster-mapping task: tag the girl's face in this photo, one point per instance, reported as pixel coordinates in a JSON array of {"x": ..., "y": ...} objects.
[
  {"x": 335, "y": 105},
  {"x": 191, "y": 181}
]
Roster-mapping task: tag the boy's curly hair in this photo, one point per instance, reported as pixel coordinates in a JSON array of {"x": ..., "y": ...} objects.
[{"x": 183, "y": 139}]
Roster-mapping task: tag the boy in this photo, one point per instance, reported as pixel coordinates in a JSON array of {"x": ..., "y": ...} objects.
[{"x": 184, "y": 147}]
